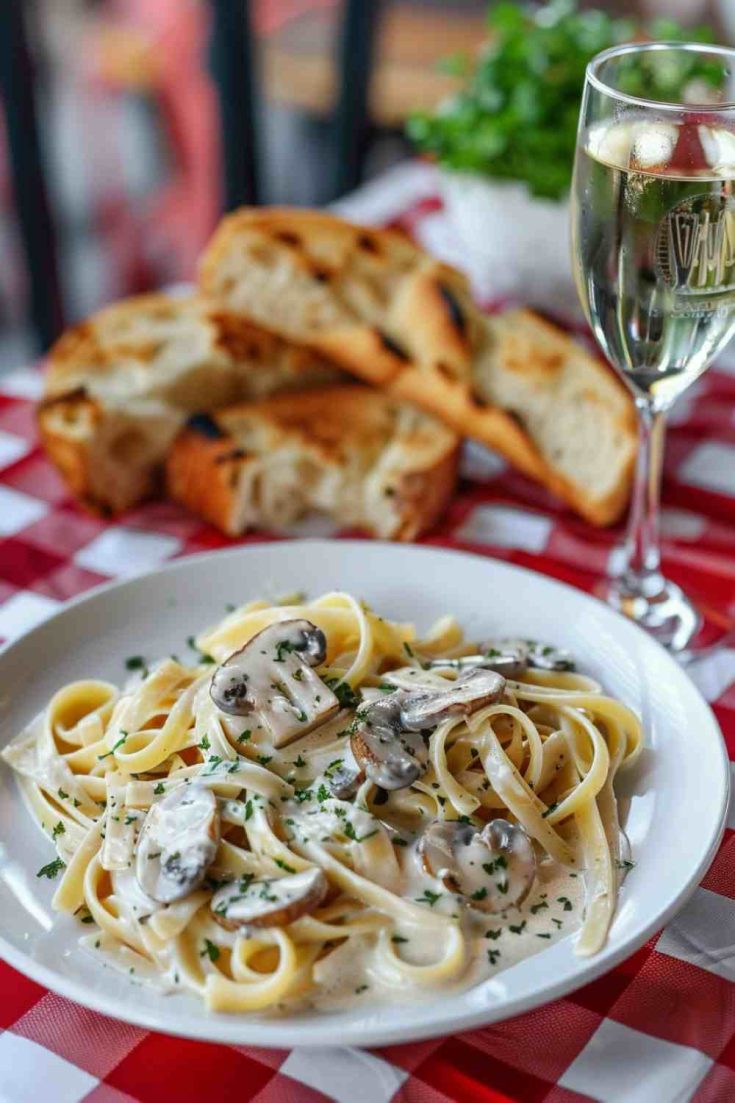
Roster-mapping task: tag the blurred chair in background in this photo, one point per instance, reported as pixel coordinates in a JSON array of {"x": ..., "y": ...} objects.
[{"x": 145, "y": 149}]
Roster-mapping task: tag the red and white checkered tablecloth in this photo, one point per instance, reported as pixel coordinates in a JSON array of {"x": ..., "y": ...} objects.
[{"x": 659, "y": 1028}]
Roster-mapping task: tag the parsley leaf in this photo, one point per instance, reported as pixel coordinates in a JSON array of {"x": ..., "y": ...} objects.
[
  {"x": 515, "y": 114},
  {"x": 51, "y": 869},
  {"x": 428, "y": 897},
  {"x": 344, "y": 693}
]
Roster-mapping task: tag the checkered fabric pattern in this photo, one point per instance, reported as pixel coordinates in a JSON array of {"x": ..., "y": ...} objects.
[{"x": 659, "y": 1028}]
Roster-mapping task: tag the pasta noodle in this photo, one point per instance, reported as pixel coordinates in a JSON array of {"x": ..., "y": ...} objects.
[{"x": 351, "y": 897}]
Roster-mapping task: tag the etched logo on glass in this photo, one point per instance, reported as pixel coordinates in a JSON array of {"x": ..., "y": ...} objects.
[{"x": 695, "y": 245}]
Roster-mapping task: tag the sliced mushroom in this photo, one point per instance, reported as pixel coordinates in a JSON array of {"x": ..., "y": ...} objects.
[
  {"x": 269, "y": 902},
  {"x": 426, "y": 707},
  {"x": 507, "y": 657},
  {"x": 494, "y": 868},
  {"x": 410, "y": 678},
  {"x": 346, "y": 779},
  {"x": 390, "y": 756},
  {"x": 536, "y": 653},
  {"x": 178, "y": 842},
  {"x": 387, "y": 743},
  {"x": 273, "y": 676}
]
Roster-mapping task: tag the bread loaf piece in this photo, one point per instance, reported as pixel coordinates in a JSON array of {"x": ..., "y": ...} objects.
[
  {"x": 350, "y": 452},
  {"x": 120, "y": 385},
  {"x": 393, "y": 316}
]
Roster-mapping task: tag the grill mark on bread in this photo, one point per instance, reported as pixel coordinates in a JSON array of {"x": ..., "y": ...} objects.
[
  {"x": 454, "y": 310},
  {"x": 206, "y": 426},
  {"x": 75, "y": 395},
  {"x": 233, "y": 454},
  {"x": 368, "y": 244},
  {"x": 288, "y": 237},
  {"x": 445, "y": 371},
  {"x": 478, "y": 401},
  {"x": 391, "y": 345}
]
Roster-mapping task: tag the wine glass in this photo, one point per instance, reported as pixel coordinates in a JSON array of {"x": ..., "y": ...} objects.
[{"x": 653, "y": 245}]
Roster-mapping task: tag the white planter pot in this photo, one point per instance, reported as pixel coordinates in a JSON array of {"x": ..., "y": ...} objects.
[{"x": 515, "y": 245}]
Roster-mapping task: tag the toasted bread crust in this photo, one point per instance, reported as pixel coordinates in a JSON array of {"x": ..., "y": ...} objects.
[
  {"x": 132, "y": 372},
  {"x": 335, "y": 429},
  {"x": 421, "y": 338},
  {"x": 203, "y": 475},
  {"x": 350, "y": 292},
  {"x": 67, "y": 453}
]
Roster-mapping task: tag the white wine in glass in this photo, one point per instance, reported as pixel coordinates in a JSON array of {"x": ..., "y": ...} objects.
[{"x": 653, "y": 238}]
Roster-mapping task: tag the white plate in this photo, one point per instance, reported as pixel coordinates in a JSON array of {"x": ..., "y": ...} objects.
[{"x": 674, "y": 801}]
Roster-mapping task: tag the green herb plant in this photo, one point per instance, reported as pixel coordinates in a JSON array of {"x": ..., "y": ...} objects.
[{"x": 516, "y": 115}]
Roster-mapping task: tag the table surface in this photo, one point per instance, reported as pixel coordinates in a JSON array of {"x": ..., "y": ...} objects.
[{"x": 659, "y": 1028}]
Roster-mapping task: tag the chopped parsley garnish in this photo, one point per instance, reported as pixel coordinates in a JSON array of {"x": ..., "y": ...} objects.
[
  {"x": 566, "y": 902},
  {"x": 302, "y": 795},
  {"x": 130, "y": 819},
  {"x": 494, "y": 934},
  {"x": 352, "y": 834},
  {"x": 543, "y": 936},
  {"x": 212, "y": 763},
  {"x": 59, "y": 829},
  {"x": 51, "y": 869},
  {"x": 284, "y": 865},
  {"x": 300, "y": 761},
  {"x": 204, "y": 743},
  {"x": 518, "y": 928},
  {"x": 557, "y": 923},
  {"x": 552, "y": 808},
  {"x": 63, "y": 795},
  {"x": 480, "y": 894},
  {"x": 398, "y": 938},
  {"x": 201, "y": 657},
  {"x": 428, "y": 897},
  {"x": 121, "y": 740},
  {"x": 492, "y": 867},
  {"x": 285, "y": 647},
  {"x": 245, "y": 736},
  {"x": 87, "y": 919},
  {"x": 210, "y": 950},
  {"x": 344, "y": 693},
  {"x": 361, "y": 988},
  {"x": 137, "y": 662},
  {"x": 264, "y": 759},
  {"x": 248, "y": 809},
  {"x": 535, "y": 908},
  {"x": 322, "y": 793},
  {"x": 407, "y": 649},
  {"x": 623, "y": 864},
  {"x": 492, "y": 956},
  {"x": 159, "y": 788},
  {"x": 301, "y": 716}
]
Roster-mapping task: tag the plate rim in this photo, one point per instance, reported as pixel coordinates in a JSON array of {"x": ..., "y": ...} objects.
[{"x": 242, "y": 1030}]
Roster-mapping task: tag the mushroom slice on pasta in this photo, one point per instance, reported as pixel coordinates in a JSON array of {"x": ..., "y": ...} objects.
[
  {"x": 178, "y": 843},
  {"x": 494, "y": 868},
  {"x": 269, "y": 902},
  {"x": 273, "y": 677}
]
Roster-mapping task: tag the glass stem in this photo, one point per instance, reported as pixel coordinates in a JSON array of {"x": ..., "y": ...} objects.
[{"x": 641, "y": 574}]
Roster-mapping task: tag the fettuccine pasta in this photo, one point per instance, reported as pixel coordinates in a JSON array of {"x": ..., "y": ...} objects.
[{"x": 320, "y": 807}]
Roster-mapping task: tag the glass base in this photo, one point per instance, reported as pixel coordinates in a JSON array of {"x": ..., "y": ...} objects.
[{"x": 658, "y": 606}]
